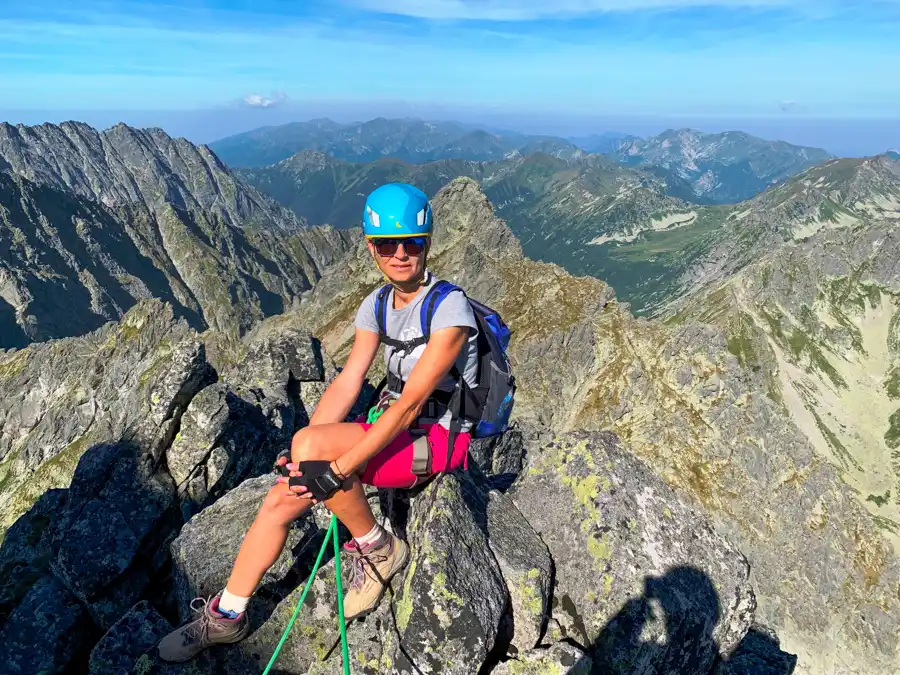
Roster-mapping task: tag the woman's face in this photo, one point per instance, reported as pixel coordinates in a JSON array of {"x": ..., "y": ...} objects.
[{"x": 401, "y": 260}]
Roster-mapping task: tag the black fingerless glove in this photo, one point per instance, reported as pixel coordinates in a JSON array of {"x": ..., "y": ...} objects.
[{"x": 319, "y": 478}]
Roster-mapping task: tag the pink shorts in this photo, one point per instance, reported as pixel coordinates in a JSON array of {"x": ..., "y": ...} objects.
[{"x": 392, "y": 467}]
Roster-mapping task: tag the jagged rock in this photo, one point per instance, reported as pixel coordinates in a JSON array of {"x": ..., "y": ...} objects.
[
  {"x": 130, "y": 379},
  {"x": 124, "y": 644},
  {"x": 499, "y": 455},
  {"x": 105, "y": 537},
  {"x": 622, "y": 543},
  {"x": 202, "y": 425},
  {"x": 453, "y": 595},
  {"x": 559, "y": 659},
  {"x": 204, "y": 552},
  {"x": 126, "y": 214},
  {"x": 526, "y": 568},
  {"x": 47, "y": 633},
  {"x": 238, "y": 426},
  {"x": 759, "y": 653},
  {"x": 443, "y": 614},
  {"x": 25, "y": 554},
  {"x": 108, "y": 538}
]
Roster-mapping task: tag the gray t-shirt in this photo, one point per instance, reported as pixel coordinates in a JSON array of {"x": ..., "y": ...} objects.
[{"x": 405, "y": 324}]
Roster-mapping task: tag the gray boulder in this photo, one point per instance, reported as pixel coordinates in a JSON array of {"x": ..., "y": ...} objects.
[
  {"x": 107, "y": 540},
  {"x": 526, "y": 567},
  {"x": 47, "y": 632},
  {"x": 641, "y": 578},
  {"x": 124, "y": 644},
  {"x": 238, "y": 426},
  {"x": 559, "y": 659},
  {"x": 204, "y": 552}
]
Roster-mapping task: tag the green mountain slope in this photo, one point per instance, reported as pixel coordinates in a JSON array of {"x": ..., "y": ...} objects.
[
  {"x": 574, "y": 213},
  {"x": 809, "y": 296}
]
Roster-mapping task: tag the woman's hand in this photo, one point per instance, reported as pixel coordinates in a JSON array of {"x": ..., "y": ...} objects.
[{"x": 301, "y": 491}]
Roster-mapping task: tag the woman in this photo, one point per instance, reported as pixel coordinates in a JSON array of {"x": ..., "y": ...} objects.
[{"x": 380, "y": 450}]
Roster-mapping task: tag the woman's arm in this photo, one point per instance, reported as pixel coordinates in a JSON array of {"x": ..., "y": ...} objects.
[
  {"x": 342, "y": 393},
  {"x": 440, "y": 354}
]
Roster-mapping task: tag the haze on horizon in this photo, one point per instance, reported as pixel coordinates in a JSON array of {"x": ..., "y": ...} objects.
[{"x": 812, "y": 72}]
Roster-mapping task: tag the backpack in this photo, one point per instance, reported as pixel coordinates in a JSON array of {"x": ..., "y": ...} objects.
[{"x": 489, "y": 404}]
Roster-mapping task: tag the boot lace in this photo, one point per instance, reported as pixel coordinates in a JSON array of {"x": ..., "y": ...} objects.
[
  {"x": 198, "y": 629},
  {"x": 364, "y": 566}
]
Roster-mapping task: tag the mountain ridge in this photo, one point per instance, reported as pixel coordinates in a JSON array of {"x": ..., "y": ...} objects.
[
  {"x": 224, "y": 253},
  {"x": 409, "y": 139},
  {"x": 725, "y": 167}
]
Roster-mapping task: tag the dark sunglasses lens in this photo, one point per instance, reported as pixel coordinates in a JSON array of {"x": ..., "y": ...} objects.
[
  {"x": 414, "y": 246},
  {"x": 388, "y": 247},
  {"x": 385, "y": 246}
]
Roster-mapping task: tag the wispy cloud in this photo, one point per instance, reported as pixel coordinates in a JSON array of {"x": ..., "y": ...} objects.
[
  {"x": 528, "y": 10},
  {"x": 259, "y": 101},
  {"x": 740, "y": 57}
]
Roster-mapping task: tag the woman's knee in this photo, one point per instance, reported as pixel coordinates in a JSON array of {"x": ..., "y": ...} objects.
[
  {"x": 280, "y": 506},
  {"x": 304, "y": 446}
]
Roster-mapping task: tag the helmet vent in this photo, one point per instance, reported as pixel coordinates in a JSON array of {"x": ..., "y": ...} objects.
[
  {"x": 420, "y": 218},
  {"x": 373, "y": 217}
]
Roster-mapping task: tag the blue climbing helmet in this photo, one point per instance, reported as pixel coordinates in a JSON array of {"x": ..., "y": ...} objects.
[{"x": 397, "y": 210}]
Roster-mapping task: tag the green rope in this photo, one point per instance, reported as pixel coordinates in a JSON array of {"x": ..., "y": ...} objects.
[
  {"x": 374, "y": 413},
  {"x": 340, "y": 600},
  {"x": 333, "y": 533}
]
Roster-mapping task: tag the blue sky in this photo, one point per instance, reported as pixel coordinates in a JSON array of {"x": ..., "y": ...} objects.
[{"x": 205, "y": 68}]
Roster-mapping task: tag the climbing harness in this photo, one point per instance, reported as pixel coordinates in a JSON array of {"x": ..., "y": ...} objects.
[{"x": 332, "y": 534}]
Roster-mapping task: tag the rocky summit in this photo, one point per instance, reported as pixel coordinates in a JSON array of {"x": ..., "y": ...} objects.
[
  {"x": 92, "y": 222},
  {"x": 117, "y": 519},
  {"x": 652, "y": 510},
  {"x": 681, "y": 400}
]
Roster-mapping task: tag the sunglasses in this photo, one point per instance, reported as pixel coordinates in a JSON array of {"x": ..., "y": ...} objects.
[{"x": 388, "y": 247}]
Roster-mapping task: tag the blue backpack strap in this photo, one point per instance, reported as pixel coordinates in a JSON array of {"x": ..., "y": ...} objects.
[
  {"x": 435, "y": 297},
  {"x": 381, "y": 308}
]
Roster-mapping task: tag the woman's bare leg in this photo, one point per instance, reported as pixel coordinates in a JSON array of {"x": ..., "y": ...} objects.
[{"x": 267, "y": 536}]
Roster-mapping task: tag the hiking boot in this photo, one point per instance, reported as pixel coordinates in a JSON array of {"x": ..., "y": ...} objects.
[
  {"x": 371, "y": 568},
  {"x": 210, "y": 628}
]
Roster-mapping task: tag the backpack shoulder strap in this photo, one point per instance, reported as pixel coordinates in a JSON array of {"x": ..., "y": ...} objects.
[
  {"x": 381, "y": 308},
  {"x": 435, "y": 297}
]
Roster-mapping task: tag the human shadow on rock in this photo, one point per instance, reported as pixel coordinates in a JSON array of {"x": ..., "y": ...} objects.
[
  {"x": 81, "y": 557},
  {"x": 669, "y": 630}
]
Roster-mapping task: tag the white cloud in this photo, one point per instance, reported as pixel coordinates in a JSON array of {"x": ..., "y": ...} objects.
[
  {"x": 260, "y": 101},
  {"x": 526, "y": 10}
]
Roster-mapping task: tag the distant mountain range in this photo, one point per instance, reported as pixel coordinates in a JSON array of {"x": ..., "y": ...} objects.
[
  {"x": 410, "y": 140},
  {"x": 703, "y": 168},
  {"x": 720, "y": 168},
  {"x": 561, "y": 211}
]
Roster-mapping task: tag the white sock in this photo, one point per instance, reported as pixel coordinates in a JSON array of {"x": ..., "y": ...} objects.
[
  {"x": 369, "y": 538},
  {"x": 232, "y": 604}
]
